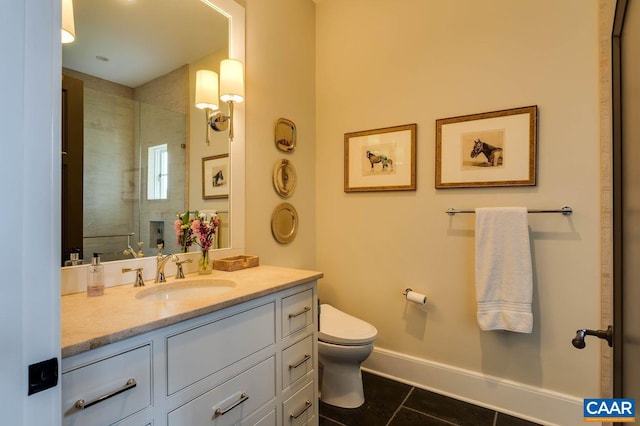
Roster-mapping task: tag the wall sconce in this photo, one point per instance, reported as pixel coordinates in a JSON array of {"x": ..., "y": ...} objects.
[
  {"x": 231, "y": 91},
  {"x": 68, "y": 24}
]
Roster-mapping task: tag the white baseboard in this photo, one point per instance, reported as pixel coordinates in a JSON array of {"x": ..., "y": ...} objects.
[{"x": 528, "y": 402}]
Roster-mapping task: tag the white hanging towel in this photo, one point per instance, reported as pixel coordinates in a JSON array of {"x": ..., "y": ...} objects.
[{"x": 504, "y": 281}]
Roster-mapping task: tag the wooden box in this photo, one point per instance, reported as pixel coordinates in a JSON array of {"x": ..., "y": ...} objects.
[{"x": 235, "y": 263}]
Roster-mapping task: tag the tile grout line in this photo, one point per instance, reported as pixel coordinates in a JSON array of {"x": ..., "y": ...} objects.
[
  {"x": 400, "y": 406},
  {"x": 332, "y": 420},
  {"x": 430, "y": 415}
]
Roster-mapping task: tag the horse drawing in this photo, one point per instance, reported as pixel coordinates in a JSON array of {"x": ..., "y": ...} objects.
[
  {"x": 379, "y": 158},
  {"x": 493, "y": 153},
  {"x": 218, "y": 178}
]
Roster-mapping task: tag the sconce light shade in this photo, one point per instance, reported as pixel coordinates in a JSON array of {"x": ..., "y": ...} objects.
[
  {"x": 68, "y": 24},
  {"x": 206, "y": 89},
  {"x": 231, "y": 81}
]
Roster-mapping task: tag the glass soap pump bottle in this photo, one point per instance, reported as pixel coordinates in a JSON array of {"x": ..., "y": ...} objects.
[{"x": 95, "y": 277}]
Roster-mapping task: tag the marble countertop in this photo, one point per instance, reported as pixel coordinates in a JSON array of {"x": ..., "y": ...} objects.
[{"x": 91, "y": 322}]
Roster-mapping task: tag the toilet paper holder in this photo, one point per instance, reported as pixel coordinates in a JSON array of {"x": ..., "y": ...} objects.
[{"x": 415, "y": 297}]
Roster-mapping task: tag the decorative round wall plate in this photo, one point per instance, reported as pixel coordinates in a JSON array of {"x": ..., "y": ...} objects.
[
  {"x": 285, "y": 135},
  {"x": 284, "y": 178},
  {"x": 284, "y": 223}
]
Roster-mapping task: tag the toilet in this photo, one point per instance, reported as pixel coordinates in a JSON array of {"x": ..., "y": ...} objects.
[{"x": 344, "y": 342}]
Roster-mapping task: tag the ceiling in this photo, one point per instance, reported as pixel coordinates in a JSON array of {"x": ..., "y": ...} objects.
[{"x": 142, "y": 39}]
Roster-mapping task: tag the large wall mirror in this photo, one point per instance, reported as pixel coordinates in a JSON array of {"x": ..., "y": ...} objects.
[{"x": 133, "y": 141}]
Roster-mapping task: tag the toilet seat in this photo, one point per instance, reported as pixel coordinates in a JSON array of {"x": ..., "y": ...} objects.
[{"x": 339, "y": 328}]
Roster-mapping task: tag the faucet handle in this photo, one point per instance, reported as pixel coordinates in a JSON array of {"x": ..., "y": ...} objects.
[
  {"x": 179, "y": 271},
  {"x": 139, "y": 281}
]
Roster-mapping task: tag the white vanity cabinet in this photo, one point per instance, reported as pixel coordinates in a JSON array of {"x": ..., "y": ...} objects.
[
  {"x": 253, "y": 363},
  {"x": 108, "y": 389}
]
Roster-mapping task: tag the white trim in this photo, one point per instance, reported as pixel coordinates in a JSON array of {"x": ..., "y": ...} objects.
[
  {"x": 30, "y": 190},
  {"x": 528, "y": 402}
]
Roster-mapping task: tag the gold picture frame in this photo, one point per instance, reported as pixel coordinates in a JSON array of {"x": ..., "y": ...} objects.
[
  {"x": 380, "y": 159},
  {"x": 489, "y": 149},
  {"x": 215, "y": 177}
]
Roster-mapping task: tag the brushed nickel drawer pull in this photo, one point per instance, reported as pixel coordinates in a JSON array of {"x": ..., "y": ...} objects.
[
  {"x": 307, "y": 405},
  {"x": 80, "y": 404},
  {"x": 223, "y": 411},
  {"x": 306, "y": 358},
  {"x": 304, "y": 311}
]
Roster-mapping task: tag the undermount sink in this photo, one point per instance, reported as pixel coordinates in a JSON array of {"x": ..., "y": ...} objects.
[{"x": 186, "y": 289}]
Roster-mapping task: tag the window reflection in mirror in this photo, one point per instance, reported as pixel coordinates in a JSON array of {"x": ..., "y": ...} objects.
[
  {"x": 158, "y": 176},
  {"x": 135, "y": 99}
]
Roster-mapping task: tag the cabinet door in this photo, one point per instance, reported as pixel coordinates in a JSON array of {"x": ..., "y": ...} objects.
[
  {"x": 200, "y": 352},
  {"x": 299, "y": 410},
  {"x": 108, "y": 390},
  {"x": 297, "y": 361},
  {"x": 268, "y": 420},
  {"x": 297, "y": 312},
  {"x": 232, "y": 401}
]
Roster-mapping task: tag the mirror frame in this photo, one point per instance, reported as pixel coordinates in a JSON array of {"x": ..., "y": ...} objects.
[{"x": 236, "y": 15}]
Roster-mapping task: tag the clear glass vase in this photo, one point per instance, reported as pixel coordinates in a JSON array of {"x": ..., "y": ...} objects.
[{"x": 205, "y": 264}]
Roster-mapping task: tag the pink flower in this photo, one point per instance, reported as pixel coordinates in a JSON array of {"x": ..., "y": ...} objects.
[{"x": 198, "y": 230}]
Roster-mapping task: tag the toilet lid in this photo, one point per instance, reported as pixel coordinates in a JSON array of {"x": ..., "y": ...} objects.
[{"x": 343, "y": 329}]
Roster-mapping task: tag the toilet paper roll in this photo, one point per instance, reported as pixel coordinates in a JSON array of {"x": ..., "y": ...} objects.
[{"x": 416, "y": 297}]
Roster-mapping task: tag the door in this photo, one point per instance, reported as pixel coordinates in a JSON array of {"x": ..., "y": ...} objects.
[
  {"x": 624, "y": 335},
  {"x": 30, "y": 194},
  {"x": 626, "y": 140}
]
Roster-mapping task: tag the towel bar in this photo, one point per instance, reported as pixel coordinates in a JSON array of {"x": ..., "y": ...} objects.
[{"x": 565, "y": 210}]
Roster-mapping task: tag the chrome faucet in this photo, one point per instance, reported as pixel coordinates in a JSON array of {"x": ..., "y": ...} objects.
[
  {"x": 139, "y": 281},
  {"x": 161, "y": 261},
  {"x": 179, "y": 270},
  {"x": 129, "y": 251}
]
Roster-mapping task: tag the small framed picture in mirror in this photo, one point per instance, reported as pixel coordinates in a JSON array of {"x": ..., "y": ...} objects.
[
  {"x": 285, "y": 135},
  {"x": 215, "y": 177}
]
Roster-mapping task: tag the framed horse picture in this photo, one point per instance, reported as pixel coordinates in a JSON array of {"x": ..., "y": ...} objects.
[
  {"x": 215, "y": 177},
  {"x": 380, "y": 159},
  {"x": 489, "y": 149}
]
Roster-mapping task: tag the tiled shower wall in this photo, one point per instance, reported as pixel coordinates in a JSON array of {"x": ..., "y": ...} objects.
[{"x": 120, "y": 124}]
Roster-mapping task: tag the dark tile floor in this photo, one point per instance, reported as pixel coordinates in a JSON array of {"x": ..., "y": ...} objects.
[{"x": 396, "y": 404}]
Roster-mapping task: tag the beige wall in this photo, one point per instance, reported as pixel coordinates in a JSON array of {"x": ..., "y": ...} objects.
[
  {"x": 280, "y": 83},
  {"x": 388, "y": 62}
]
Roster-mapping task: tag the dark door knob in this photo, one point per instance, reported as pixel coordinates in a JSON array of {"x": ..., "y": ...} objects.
[{"x": 579, "y": 342}]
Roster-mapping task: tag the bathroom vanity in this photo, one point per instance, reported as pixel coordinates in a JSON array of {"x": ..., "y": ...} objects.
[{"x": 150, "y": 356}]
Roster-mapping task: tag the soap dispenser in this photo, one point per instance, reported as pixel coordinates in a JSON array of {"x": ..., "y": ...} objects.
[{"x": 95, "y": 278}]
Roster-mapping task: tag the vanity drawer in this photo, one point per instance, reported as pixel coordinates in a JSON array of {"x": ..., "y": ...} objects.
[
  {"x": 299, "y": 409},
  {"x": 297, "y": 361},
  {"x": 202, "y": 351},
  {"x": 297, "y": 312},
  {"x": 268, "y": 420},
  {"x": 232, "y": 401},
  {"x": 108, "y": 377}
]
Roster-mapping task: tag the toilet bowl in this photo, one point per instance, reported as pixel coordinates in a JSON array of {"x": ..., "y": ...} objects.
[{"x": 344, "y": 342}]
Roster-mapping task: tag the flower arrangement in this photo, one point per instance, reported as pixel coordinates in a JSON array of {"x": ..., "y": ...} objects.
[
  {"x": 198, "y": 229},
  {"x": 204, "y": 230},
  {"x": 184, "y": 234}
]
